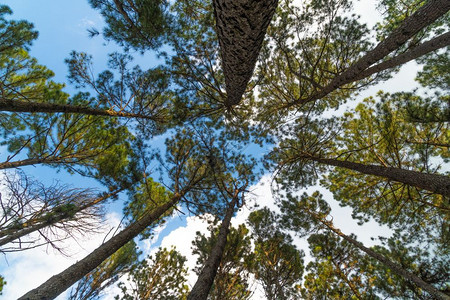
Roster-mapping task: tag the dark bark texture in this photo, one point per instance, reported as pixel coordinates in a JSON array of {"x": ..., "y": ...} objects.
[
  {"x": 41, "y": 107},
  {"x": 205, "y": 280},
  {"x": 241, "y": 26},
  {"x": 435, "y": 183},
  {"x": 62, "y": 281}
]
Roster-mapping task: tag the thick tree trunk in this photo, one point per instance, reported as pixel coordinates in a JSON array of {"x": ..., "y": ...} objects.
[
  {"x": 62, "y": 281},
  {"x": 395, "y": 268},
  {"x": 241, "y": 26},
  {"x": 205, "y": 280},
  {"x": 39, "y": 107},
  {"x": 423, "y": 17},
  {"x": 9, "y": 235},
  {"x": 435, "y": 183}
]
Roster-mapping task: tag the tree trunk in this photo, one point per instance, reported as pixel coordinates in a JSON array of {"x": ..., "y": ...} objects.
[
  {"x": 40, "y": 107},
  {"x": 35, "y": 161},
  {"x": 241, "y": 26},
  {"x": 395, "y": 268},
  {"x": 205, "y": 280},
  {"x": 62, "y": 281},
  {"x": 423, "y": 17},
  {"x": 9, "y": 235},
  {"x": 434, "y": 44},
  {"x": 435, "y": 183}
]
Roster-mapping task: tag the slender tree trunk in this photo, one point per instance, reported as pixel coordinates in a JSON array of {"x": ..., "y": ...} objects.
[
  {"x": 9, "y": 235},
  {"x": 40, "y": 107},
  {"x": 62, "y": 281},
  {"x": 442, "y": 145},
  {"x": 395, "y": 268},
  {"x": 434, "y": 44},
  {"x": 241, "y": 26},
  {"x": 205, "y": 280},
  {"x": 25, "y": 162},
  {"x": 35, "y": 161},
  {"x": 423, "y": 17},
  {"x": 347, "y": 281},
  {"x": 435, "y": 183}
]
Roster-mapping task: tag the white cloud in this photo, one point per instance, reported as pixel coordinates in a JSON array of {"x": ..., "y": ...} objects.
[
  {"x": 86, "y": 22},
  {"x": 182, "y": 238}
]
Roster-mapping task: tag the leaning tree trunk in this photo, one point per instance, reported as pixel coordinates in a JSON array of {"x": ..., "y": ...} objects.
[
  {"x": 395, "y": 268},
  {"x": 435, "y": 183},
  {"x": 434, "y": 44},
  {"x": 62, "y": 281},
  {"x": 423, "y": 17},
  {"x": 30, "y": 161},
  {"x": 9, "y": 235},
  {"x": 42, "y": 107},
  {"x": 205, "y": 280},
  {"x": 241, "y": 26}
]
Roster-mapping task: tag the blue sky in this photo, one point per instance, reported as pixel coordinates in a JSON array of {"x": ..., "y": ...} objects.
[
  {"x": 63, "y": 25},
  {"x": 62, "y": 28}
]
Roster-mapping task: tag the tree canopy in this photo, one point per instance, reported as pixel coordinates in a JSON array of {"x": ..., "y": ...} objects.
[{"x": 283, "y": 77}]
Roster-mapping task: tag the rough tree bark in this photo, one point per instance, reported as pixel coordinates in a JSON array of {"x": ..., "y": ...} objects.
[
  {"x": 423, "y": 17},
  {"x": 8, "y": 235},
  {"x": 205, "y": 280},
  {"x": 435, "y": 183},
  {"x": 62, "y": 281},
  {"x": 241, "y": 26},
  {"x": 395, "y": 268},
  {"x": 40, "y": 107}
]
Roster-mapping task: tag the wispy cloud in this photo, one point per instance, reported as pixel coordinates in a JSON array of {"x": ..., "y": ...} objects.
[{"x": 86, "y": 22}]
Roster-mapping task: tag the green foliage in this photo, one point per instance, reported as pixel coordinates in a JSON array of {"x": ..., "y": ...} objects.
[
  {"x": 277, "y": 264},
  {"x": 298, "y": 141},
  {"x": 137, "y": 24},
  {"x": 382, "y": 134},
  {"x": 14, "y": 34},
  {"x": 394, "y": 13},
  {"x": 232, "y": 278},
  {"x": 302, "y": 213},
  {"x": 99, "y": 146},
  {"x": 195, "y": 68},
  {"x": 2, "y": 284},
  {"x": 123, "y": 88},
  {"x": 218, "y": 166},
  {"x": 435, "y": 71},
  {"x": 307, "y": 48},
  {"x": 337, "y": 270},
  {"x": 162, "y": 276},
  {"x": 21, "y": 76},
  {"x": 94, "y": 146},
  {"x": 205, "y": 159},
  {"x": 426, "y": 262},
  {"x": 147, "y": 196}
]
